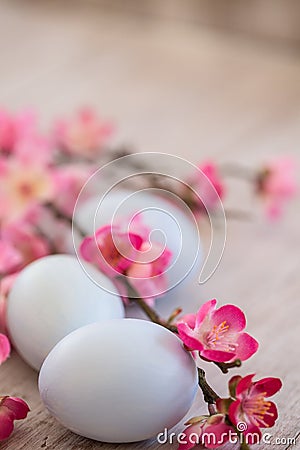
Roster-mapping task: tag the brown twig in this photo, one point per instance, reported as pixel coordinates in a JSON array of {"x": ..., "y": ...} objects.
[
  {"x": 150, "y": 312},
  {"x": 210, "y": 396},
  {"x": 224, "y": 367}
]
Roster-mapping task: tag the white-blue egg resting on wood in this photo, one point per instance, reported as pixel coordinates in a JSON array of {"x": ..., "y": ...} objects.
[
  {"x": 119, "y": 381},
  {"x": 52, "y": 297}
]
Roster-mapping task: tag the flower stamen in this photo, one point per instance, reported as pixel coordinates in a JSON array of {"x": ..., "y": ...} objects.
[
  {"x": 258, "y": 407},
  {"x": 216, "y": 338}
]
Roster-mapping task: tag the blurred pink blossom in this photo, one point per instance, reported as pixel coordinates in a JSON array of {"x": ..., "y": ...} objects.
[
  {"x": 276, "y": 184},
  {"x": 10, "y": 257},
  {"x": 7, "y": 134},
  {"x": 218, "y": 334},
  {"x": 209, "y": 186},
  {"x": 4, "y": 349},
  {"x": 22, "y": 186},
  {"x": 112, "y": 249},
  {"x": 25, "y": 246},
  {"x": 11, "y": 409},
  {"x": 83, "y": 134},
  {"x": 2, "y": 314},
  {"x": 34, "y": 149},
  {"x": 14, "y": 128},
  {"x": 146, "y": 274},
  {"x": 120, "y": 252},
  {"x": 68, "y": 182},
  {"x": 5, "y": 286}
]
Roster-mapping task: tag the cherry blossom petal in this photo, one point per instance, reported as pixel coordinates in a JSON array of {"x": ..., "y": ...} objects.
[
  {"x": 18, "y": 407},
  {"x": 7, "y": 134},
  {"x": 4, "y": 348},
  {"x": 233, "y": 316},
  {"x": 192, "y": 436},
  {"x": 244, "y": 384},
  {"x": 252, "y": 433},
  {"x": 209, "y": 185},
  {"x": 139, "y": 270},
  {"x": 271, "y": 415},
  {"x": 6, "y": 423},
  {"x": 219, "y": 431},
  {"x": 268, "y": 385},
  {"x": 189, "y": 319},
  {"x": 234, "y": 412},
  {"x": 10, "y": 257},
  {"x": 205, "y": 311},
  {"x": 186, "y": 335},
  {"x": 217, "y": 355},
  {"x": 247, "y": 346}
]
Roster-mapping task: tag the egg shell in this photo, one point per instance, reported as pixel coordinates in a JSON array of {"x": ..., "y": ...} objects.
[
  {"x": 119, "y": 381},
  {"x": 172, "y": 226},
  {"x": 52, "y": 297}
]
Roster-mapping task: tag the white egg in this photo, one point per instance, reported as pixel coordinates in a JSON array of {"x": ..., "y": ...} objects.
[
  {"x": 119, "y": 381},
  {"x": 52, "y": 297},
  {"x": 172, "y": 224}
]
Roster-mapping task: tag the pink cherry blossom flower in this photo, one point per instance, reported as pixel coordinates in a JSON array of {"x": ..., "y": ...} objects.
[
  {"x": 22, "y": 186},
  {"x": 33, "y": 149},
  {"x": 84, "y": 134},
  {"x": 4, "y": 348},
  {"x": 14, "y": 129},
  {"x": 6, "y": 131},
  {"x": 276, "y": 184},
  {"x": 2, "y": 314},
  {"x": 250, "y": 405},
  {"x": 210, "y": 169},
  {"x": 217, "y": 334},
  {"x": 25, "y": 124},
  {"x": 10, "y": 257},
  {"x": 112, "y": 250},
  {"x": 11, "y": 409},
  {"x": 5, "y": 286},
  {"x": 68, "y": 182},
  {"x": 146, "y": 274},
  {"x": 23, "y": 246},
  {"x": 207, "y": 431},
  {"x": 117, "y": 252},
  {"x": 209, "y": 186}
]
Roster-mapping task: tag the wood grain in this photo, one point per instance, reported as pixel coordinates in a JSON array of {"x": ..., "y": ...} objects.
[{"x": 184, "y": 90}]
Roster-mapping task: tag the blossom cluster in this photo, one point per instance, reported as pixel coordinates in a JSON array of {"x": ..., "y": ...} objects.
[
  {"x": 41, "y": 176},
  {"x": 238, "y": 418},
  {"x": 218, "y": 336},
  {"x": 274, "y": 185},
  {"x": 118, "y": 252}
]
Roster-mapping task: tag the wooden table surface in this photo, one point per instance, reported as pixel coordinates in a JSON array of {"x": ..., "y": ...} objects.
[{"x": 175, "y": 88}]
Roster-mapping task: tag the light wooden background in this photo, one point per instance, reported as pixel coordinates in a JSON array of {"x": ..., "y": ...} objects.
[{"x": 180, "y": 89}]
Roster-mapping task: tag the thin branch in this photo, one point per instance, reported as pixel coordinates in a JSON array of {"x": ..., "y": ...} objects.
[
  {"x": 224, "y": 367},
  {"x": 150, "y": 312},
  {"x": 210, "y": 396}
]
